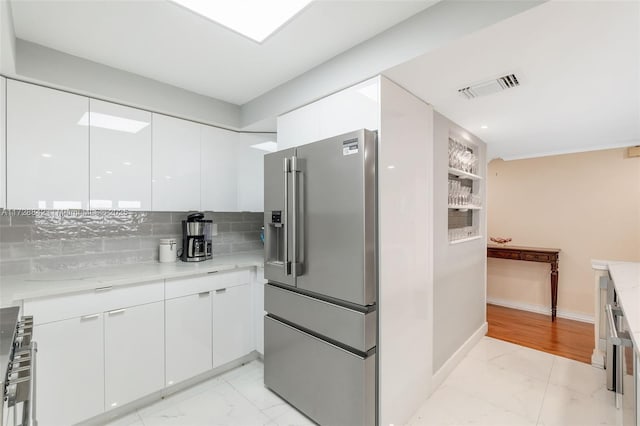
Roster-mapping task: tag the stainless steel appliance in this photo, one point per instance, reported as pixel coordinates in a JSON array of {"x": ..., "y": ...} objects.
[
  {"x": 320, "y": 262},
  {"x": 196, "y": 238},
  {"x": 611, "y": 349},
  {"x": 621, "y": 359},
  {"x": 17, "y": 369}
]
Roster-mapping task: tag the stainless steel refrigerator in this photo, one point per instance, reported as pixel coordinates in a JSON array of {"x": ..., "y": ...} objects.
[{"x": 320, "y": 330}]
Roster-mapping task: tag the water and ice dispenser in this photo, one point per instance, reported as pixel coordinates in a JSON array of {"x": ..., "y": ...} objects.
[{"x": 275, "y": 245}]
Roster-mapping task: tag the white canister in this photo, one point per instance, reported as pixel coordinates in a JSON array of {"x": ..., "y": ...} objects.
[{"x": 167, "y": 250}]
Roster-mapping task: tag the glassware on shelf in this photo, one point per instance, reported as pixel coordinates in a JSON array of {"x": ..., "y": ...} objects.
[
  {"x": 462, "y": 157},
  {"x": 456, "y": 234},
  {"x": 460, "y": 195}
]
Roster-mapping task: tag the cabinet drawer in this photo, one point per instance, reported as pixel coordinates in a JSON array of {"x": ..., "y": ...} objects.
[
  {"x": 192, "y": 285},
  {"x": 347, "y": 326},
  {"x": 536, "y": 257},
  {"x": 343, "y": 391},
  {"x": 56, "y": 308},
  {"x": 505, "y": 255}
]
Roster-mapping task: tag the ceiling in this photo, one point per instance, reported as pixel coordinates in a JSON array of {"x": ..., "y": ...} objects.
[
  {"x": 163, "y": 41},
  {"x": 579, "y": 68}
]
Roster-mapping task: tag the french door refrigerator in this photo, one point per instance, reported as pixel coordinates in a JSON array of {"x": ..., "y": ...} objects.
[{"x": 320, "y": 262}]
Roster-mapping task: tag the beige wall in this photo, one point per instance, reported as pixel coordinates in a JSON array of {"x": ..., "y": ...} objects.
[{"x": 586, "y": 204}]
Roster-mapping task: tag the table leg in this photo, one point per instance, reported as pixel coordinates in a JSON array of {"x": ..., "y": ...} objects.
[{"x": 554, "y": 289}]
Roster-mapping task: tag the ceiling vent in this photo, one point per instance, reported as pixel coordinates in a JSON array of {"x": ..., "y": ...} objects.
[{"x": 490, "y": 86}]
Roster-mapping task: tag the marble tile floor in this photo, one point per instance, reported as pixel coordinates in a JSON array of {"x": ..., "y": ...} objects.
[
  {"x": 497, "y": 383},
  {"x": 500, "y": 383},
  {"x": 237, "y": 397}
]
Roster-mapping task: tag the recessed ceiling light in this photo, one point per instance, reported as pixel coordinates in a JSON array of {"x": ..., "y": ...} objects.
[
  {"x": 256, "y": 19},
  {"x": 45, "y": 155},
  {"x": 484, "y": 126},
  {"x": 269, "y": 146},
  {"x": 111, "y": 122},
  {"x": 127, "y": 163}
]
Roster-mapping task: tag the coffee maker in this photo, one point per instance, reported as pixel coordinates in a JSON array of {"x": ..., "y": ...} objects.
[{"x": 196, "y": 238}]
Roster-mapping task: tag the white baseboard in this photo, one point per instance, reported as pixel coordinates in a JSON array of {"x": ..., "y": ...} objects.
[
  {"x": 455, "y": 359},
  {"x": 117, "y": 413},
  {"x": 541, "y": 309}
]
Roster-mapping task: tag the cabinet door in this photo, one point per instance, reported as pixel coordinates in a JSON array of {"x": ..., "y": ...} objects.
[
  {"x": 134, "y": 353},
  {"x": 188, "y": 336},
  {"x": 47, "y": 148},
  {"x": 70, "y": 370},
  {"x": 354, "y": 108},
  {"x": 176, "y": 164},
  {"x": 251, "y": 151},
  {"x": 258, "y": 309},
  {"x": 3, "y": 134},
  {"x": 218, "y": 165},
  {"x": 120, "y": 157},
  {"x": 232, "y": 324}
]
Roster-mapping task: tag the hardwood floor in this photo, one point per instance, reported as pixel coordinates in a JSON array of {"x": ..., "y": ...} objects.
[{"x": 563, "y": 337}]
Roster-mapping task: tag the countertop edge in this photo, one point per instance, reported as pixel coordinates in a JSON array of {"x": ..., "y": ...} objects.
[
  {"x": 11, "y": 294},
  {"x": 626, "y": 281}
]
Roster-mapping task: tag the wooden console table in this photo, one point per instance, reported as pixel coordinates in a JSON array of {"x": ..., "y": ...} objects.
[{"x": 532, "y": 254}]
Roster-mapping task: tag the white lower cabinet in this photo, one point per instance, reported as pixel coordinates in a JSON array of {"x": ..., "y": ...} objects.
[
  {"x": 258, "y": 308},
  {"x": 134, "y": 353},
  {"x": 232, "y": 324},
  {"x": 70, "y": 382},
  {"x": 188, "y": 331},
  {"x": 168, "y": 332}
]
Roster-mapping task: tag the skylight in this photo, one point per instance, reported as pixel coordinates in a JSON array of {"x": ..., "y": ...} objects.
[{"x": 256, "y": 19}]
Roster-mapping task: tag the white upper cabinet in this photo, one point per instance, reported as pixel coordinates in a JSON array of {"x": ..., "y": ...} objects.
[
  {"x": 3, "y": 134},
  {"x": 218, "y": 165},
  {"x": 47, "y": 148},
  {"x": 176, "y": 164},
  {"x": 120, "y": 157},
  {"x": 357, "y": 107},
  {"x": 251, "y": 149}
]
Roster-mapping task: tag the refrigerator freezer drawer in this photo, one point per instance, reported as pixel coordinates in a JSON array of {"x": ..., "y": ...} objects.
[
  {"x": 330, "y": 385},
  {"x": 347, "y": 326}
]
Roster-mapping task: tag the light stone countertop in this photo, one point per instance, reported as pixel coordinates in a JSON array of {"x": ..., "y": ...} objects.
[
  {"x": 626, "y": 280},
  {"x": 15, "y": 288}
]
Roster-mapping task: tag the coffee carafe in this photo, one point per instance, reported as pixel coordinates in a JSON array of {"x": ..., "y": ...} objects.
[{"x": 196, "y": 238}]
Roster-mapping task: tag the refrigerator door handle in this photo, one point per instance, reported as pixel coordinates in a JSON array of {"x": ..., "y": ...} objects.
[
  {"x": 287, "y": 170},
  {"x": 616, "y": 337},
  {"x": 295, "y": 222}
]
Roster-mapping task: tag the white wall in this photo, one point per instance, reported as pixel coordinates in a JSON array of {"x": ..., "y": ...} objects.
[
  {"x": 50, "y": 67},
  {"x": 7, "y": 39},
  {"x": 459, "y": 293},
  {"x": 586, "y": 204},
  {"x": 426, "y": 31},
  {"x": 405, "y": 209}
]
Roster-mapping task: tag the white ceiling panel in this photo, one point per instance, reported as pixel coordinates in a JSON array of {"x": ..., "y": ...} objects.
[
  {"x": 161, "y": 40},
  {"x": 578, "y": 64}
]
